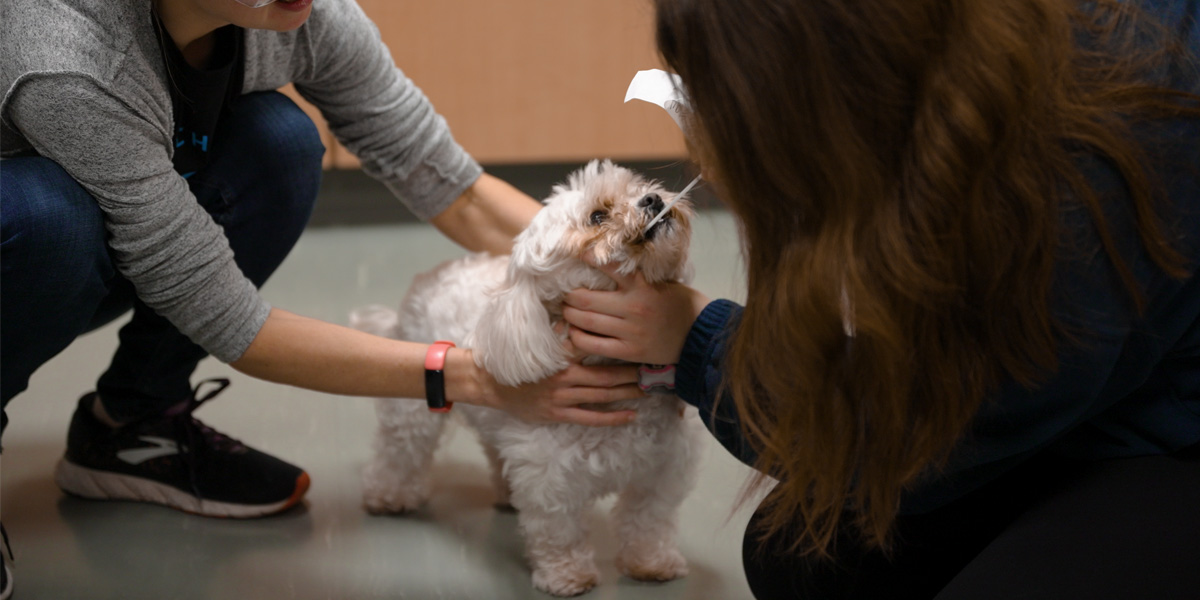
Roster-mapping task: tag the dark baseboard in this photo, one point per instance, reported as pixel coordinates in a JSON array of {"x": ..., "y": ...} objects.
[{"x": 350, "y": 197}]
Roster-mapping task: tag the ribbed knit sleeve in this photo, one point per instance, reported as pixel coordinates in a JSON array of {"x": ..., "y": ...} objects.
[
  {"x": 698, "y": 376},
  {"x": 339, "y": 63}
]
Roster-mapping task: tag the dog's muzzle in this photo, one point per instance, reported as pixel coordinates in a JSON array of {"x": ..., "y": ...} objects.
[{"x": 651, "y": 205}]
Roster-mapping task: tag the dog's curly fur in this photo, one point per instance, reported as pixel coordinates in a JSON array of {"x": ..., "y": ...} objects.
[{"x": 505, "y": 309}]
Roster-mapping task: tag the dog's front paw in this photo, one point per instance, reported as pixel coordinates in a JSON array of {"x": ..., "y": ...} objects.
[
  {"x": 566, "y": 580},
  {"x": 385, "y": 494},
  {"x": 660, "y": 564},
  {"x": 394, "y": 503}
]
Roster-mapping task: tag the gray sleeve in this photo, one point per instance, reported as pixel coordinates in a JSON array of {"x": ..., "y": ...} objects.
[
  {"x": 380, "y": 115},
  {"x": 163, "y": 241}
]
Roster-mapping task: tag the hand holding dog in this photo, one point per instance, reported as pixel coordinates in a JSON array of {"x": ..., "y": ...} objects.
[
  {"x": 560, "y": 397},
  {"x": 638, "y": 322}
]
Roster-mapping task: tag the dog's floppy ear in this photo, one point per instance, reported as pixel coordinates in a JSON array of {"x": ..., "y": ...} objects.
[
  {"x": 514, "y": 339},
  {"x": 543, "y": 247}
]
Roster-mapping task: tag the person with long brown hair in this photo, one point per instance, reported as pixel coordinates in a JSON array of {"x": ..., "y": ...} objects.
[{"x": 970, "y": 350}]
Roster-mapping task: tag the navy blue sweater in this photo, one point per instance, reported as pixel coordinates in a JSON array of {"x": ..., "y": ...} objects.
[{"x": 1131, "y": 387}]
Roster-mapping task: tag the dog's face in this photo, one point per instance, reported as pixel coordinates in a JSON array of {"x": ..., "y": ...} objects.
[{"x": 600, "y": 215}]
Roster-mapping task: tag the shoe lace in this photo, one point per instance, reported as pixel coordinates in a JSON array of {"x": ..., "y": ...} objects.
[{"x": 200, "y": 438}]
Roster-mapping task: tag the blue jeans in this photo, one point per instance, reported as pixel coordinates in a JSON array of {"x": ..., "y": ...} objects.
[{"x": 59, "y": 280}]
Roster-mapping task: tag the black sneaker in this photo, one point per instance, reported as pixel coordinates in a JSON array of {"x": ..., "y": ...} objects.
[{"x": 175, "y": 460}]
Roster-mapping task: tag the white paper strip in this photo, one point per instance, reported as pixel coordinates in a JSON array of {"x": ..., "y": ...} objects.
[{"x": 662, "y": 88}]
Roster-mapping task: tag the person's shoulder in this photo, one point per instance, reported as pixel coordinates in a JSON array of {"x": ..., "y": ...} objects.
[
  {"x": 80, "y": 56},
  {"x": 72, "y": 36}
]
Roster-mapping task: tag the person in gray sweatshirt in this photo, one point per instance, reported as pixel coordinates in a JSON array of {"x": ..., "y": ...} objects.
[{"x": 149, "y": 163}]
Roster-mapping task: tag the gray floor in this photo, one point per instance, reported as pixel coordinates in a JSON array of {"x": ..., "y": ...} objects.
[{"x": 456, "y": 548}]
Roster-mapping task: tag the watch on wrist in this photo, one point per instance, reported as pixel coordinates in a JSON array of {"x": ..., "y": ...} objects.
[{"x": 435, "y": 381}]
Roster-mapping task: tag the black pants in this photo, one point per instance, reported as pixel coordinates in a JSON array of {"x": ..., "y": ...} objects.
[{"x": 1052, "y": 529}]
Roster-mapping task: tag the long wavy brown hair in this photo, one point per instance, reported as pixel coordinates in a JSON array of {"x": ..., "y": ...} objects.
[{"x": 898, "y": 169}]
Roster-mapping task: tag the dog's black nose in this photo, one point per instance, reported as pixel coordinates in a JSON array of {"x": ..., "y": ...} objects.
[{"x": 651, "y": 202}]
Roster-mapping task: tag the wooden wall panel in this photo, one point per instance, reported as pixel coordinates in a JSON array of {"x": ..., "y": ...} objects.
[{"x": 523, "y": 81}]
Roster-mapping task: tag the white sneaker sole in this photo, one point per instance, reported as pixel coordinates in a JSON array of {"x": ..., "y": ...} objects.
[{"x": 105, "y": 485}]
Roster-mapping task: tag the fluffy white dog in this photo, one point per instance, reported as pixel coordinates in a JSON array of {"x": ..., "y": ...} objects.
[{"x": 505, "y": 310}]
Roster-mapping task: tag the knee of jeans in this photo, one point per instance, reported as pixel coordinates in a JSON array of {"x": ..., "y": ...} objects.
[
  {"x": 51, "y": 219},
  {"x": 284, "y": 135},
  {"x": 285, "y": 143}
]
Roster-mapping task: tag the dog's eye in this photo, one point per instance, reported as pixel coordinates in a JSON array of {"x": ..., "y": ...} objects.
[{"x": 599, "y": 217}]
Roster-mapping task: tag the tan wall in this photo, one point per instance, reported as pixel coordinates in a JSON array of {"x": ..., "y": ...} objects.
[{"x": 524, "y": 81}]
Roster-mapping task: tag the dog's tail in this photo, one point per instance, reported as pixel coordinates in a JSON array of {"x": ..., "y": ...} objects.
[{"x": 375, "y": 319}]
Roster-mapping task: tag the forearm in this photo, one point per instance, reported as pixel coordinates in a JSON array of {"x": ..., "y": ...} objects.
[
  {"x": 321, "y": 356},
  {"x": 487, "y": 216}
]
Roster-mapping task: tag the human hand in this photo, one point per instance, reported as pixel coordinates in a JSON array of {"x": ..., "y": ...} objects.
[
  {"x": 560, "y": 397},
  {"x": 638, "y": 322}
]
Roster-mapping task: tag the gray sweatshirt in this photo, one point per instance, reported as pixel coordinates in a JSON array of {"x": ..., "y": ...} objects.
[{"x": 85, "y": 85}]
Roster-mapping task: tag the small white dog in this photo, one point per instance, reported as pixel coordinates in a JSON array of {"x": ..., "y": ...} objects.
[{"x": 505, "y": 310}]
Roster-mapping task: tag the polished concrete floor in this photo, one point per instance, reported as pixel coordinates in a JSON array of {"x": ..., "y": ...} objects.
[{"x": 458, "y": 547}]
